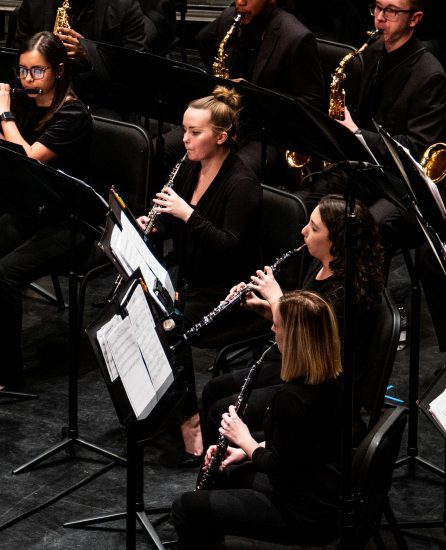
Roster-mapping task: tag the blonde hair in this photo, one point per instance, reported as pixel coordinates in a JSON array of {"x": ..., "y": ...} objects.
[
  {"x": 311, "y": 344},
  {"x": 224, "y": 105}
]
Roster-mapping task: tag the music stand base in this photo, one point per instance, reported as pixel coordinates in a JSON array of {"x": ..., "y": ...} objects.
[
  {"x": 69, "y": 443},
  {"x": 413, "y": 460},
  {"x": 18, "y": 395},
  {"x": 141, "y": 516}
]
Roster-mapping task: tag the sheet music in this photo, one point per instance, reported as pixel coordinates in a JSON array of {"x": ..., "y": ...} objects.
[
  {"x": 132, "y": 252},
  {"x": 437, "y": 408},
  {"x": 152, "y": 351},
  {"x": 131, "y": 368},
  {"x": 103, "y": 336}
]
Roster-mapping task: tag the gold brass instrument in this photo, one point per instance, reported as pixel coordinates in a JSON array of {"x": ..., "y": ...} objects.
[
  {"x": 434, "y": 162},
  {"x": 220, "y": 66},
  {"x": 336, "y": 107},
  {"x": 62, "y": 19}
]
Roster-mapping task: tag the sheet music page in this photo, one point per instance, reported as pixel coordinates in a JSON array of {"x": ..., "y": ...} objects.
[
  {"x": 131, "y": 368},
  {"x": 102, "y": 336},
  {"x": 146, "y": 256},
  {"x": 152, "y": 351},
  {"x": 126, "y": 251},
  {"x": 437, "y": 407}
]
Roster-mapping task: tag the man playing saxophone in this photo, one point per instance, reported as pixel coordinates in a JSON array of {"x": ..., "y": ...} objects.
[{"x": 271, "y": 49}]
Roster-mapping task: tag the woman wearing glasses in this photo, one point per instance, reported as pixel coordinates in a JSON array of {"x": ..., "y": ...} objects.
[{"x": 53, "y": 127}]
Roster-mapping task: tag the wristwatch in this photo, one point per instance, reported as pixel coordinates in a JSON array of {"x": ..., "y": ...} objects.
[{"x": 7, "y": 115}]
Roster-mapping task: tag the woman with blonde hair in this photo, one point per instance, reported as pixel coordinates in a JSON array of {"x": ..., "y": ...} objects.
[
  {"x": 212, "y": 214},
  {"x": 287, "y": 488}
]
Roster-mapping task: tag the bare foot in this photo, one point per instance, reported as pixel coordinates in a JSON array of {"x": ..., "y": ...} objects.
[{"x": 191, "y": 432}]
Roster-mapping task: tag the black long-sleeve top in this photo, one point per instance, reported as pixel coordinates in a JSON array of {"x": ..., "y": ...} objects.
[
  {"x": 301, "y": 454},
  {"x": 219, "y": 244}
]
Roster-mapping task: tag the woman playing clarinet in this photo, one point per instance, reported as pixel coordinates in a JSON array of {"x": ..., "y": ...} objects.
[
  {"x": 213, "y": 215},
  {"x": 286, "y": 488}
]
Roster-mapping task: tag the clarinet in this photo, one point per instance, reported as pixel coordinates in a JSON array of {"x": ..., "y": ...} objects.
[
  {"x": 154, "y": 211},
  {"x": 206, "y": 478},
  {"x": 223, "y": 306}
]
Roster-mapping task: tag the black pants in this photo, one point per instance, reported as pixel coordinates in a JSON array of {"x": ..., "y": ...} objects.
[
  {"x": 28, "y": 250},
  {"x": 233, "y": 325},
  {"x": 241, "y": 505}
]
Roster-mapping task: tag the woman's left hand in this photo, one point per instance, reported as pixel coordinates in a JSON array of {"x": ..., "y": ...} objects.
[
  {"x": 170, "y": 202},
  {"x": 265, "y": 283},
  {"x": 5, "y": 98},
  {"x": 70, "y": 39}
]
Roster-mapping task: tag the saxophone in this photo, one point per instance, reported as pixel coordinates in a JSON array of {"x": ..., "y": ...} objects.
[
  {"x": 220, "y": 66},
  {"x": 336, "y": 107},
  {"x": 62, "y": 19}
]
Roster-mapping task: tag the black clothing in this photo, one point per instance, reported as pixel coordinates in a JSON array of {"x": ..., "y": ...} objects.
[
  {"x": 32, "y": 243},
  {"x": 276, "y": 52},
  {"x": 219, "y": 244},
  {"x": 216, "y": 248},
  {"x": 222, "y": 391},
  {"x": 68, "y": 135},
  {"x": 300, "y": 459}
]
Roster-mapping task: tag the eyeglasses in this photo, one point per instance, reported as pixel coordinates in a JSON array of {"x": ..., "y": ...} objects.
[
  {"x": 37, "y": 73},
  {"x": 390, "y": 14}
]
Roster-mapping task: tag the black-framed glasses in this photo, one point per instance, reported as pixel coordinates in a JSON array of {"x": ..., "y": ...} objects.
[
  {"x": 391, "y": 14},
  {"x": 37, "y": 73}
]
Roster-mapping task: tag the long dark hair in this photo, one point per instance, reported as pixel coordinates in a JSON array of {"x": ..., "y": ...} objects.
[
  {"x": 369, "y": 279},
  {"x": 52, "y": 49}
]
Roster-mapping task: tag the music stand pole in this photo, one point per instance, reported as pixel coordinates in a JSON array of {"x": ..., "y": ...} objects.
[{"x": 71, "y": 433}]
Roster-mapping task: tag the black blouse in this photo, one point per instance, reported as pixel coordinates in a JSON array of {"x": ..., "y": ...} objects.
[{"x": 219, "y": 244}]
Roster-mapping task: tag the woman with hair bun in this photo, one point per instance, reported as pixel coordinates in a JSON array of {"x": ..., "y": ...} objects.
[{"x": 212, "y": 214}]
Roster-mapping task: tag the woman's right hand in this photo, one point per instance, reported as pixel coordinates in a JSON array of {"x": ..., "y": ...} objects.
[
  {"x": 5, "y": 98},
  {"x": 232, "y": 456},
  {"x": 265, "y": 283},
  {"x": 143, "y": 221}
]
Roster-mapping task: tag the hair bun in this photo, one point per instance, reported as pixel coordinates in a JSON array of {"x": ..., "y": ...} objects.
[{"x": 228, "y": 96}]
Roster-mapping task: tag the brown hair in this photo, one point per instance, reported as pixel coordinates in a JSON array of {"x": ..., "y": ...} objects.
[
  {"x": 224, "y": 105},
  {"x": 52, "y": 49},
  {"x": 311, "y": 343}
]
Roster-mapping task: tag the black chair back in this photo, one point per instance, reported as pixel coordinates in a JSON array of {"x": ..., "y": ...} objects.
[
  {"x": 378, "y": 356},
  {"x": 331, "y": 54},
  {"x": 283, "y": 217},
  {"x": 372, "y": 471},
  {"x": 120, "y": 156}
]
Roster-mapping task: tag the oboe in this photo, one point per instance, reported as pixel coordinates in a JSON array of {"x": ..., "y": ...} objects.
[
  {"x": 235, "y": 299},
  {"x": 206, "y": 478},
  {"x": 155, "y": 210}
]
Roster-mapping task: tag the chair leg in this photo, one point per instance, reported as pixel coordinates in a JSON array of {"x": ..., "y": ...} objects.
[{"x": 394, "y": 527}]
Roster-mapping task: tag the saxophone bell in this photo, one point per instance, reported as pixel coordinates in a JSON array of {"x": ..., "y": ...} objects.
[{"x": 62, "y": 19}]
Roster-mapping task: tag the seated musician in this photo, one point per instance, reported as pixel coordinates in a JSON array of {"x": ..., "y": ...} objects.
[
  {"x": 213, "y": 215},
  {"x": 324, "y": 236},
  {"x": 53, "y": 127},
  {"x": 271, "y": 49},
  {"x": 286, "y": 488}
]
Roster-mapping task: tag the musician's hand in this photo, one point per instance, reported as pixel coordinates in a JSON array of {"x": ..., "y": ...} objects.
[
  {"x": 5, "y": 98},
  {"x": 234, "y": 429},
  {"x": 235, "y": 290},
  {"x": 143, "y": 221},
  {"x": 348, "y": 122},
  {"x": 70, "y": 39},
  {"x": 265, "y": 283},
  {"x": 170, "y": 202},
  {"x": 233, "y": 455}
]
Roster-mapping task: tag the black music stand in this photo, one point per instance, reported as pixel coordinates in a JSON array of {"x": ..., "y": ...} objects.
[
  {"x": 161, "y": 89},
  {"x": 423, "y": 199},
  {"x": 61, "y": 198},
  {"x": 141, "y": 426},
  {"x": 8, "y": 60}
]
